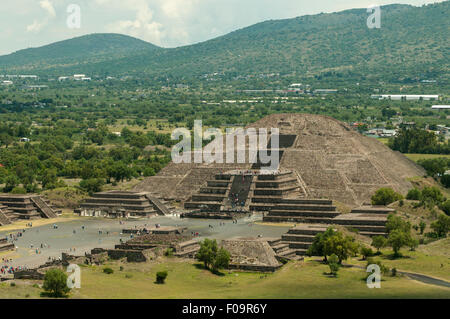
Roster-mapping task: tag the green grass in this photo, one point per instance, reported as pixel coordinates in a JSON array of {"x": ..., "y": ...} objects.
[
  {"x": 417, "y": 157},
  {"x": 307, "y": 279}
]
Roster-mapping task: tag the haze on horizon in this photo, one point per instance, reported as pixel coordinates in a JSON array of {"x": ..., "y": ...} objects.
[{"x": 166, "y": 23}]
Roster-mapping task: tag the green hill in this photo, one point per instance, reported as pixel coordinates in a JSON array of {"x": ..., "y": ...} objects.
[
  {"x": 412, "y": 42},
  {"x": 84, "y": 50}
]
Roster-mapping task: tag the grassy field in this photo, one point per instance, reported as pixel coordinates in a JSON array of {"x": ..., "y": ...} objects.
[
  {"x": 416, "y": 157},
  {"x": 187, "y": 279}
]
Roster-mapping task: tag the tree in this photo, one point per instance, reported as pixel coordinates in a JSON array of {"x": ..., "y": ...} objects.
[
  {"x": 379, "y": 242},
  {"x": 334, "y": 264},
  {"x": 222, "y": 259},
  {"x": 414, "y": 194},
  {"x": 161, "y": 276},
  {"x": 207, "y": 252},
  {"x": 92, "y": 185},
  {"x": 212, "y": 257},
  {"x": 395, "y": 222},
  {"x": 366, "y": 252},
  {"x": 316, "y": 248},
  {"x": 340, "y": 245},
  {"x": 422, "y": 227},
  {"x": 432, "y": 194},
  {"x": 55, "y": 283},
  {"x": 441, "y": 226},
  {"x": 385, "y": 196},
  {"x": 445, "y": 206},
  {"x": 445, "y": 180},
  {"x": 397, "y": 239}
]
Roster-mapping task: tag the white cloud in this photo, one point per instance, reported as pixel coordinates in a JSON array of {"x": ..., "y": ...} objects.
[
  {"x": 37, "y": 25},
  {"x": 48, "y": 6}
]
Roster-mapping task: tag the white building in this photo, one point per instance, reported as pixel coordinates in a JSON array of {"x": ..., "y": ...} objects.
[
  {"x": 440, "y": 107},
  {"x": 408, "y": 97}
]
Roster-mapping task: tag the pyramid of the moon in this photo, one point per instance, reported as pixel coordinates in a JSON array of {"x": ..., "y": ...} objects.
[{"x": 328, "y": 159}]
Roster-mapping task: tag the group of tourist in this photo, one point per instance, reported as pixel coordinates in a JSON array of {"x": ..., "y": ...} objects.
[{"x": 4, "y": 270}]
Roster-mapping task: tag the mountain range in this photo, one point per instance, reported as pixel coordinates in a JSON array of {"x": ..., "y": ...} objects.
[{"x": 412, "y": 42}]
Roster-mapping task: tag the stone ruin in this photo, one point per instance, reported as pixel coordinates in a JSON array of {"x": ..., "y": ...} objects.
[
  {"x": 14, "y": 207},
  {"x": 122, "y": 204},
  {"x": 325, "y": 156}
]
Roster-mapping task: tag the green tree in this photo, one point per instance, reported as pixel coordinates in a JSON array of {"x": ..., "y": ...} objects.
[
  {"x": 397, "y": 239},
  {"x": 334, "y": 264},
  {"x": 441, "y": 226},
  {"x": 422, "y": 227},
  {"x": 55, "y": 283},
  {"x": 340, "y": 245},
  {"x": 379, "y": 242},
  {"x": 207, "y": 252},
  {"x": 385, "y": 196},
  {"x": 222, "y": 259},
  {"x": 317, "y": 247},
  {"x": 414, "y": 194}
]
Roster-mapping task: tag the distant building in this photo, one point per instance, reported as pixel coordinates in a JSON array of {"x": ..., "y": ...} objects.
[
  {"x": 325, "y": 91},
  {"x": 440, "y": 107},
  {"x": 7, "y": 82},
  {"x": 407, "y": 97}
]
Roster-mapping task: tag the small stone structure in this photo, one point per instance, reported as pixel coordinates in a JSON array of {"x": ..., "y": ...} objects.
[
  {"x": 5, "y": 245},
  {"x": 14, "y": 207},
  {"x": 122, "y": 204},
  {"x": 251, "y": 255}
]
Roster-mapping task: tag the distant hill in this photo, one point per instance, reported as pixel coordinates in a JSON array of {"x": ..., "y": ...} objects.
[
  {"x": 84, "y": 50},
  {"x": 412, "y": 41}
]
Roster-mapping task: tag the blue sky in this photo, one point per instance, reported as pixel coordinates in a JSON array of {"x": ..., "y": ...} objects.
[{"x": 167, "y": 23}]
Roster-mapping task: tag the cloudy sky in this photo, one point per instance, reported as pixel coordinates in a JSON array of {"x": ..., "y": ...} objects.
[{"x": 167, "y": 23}]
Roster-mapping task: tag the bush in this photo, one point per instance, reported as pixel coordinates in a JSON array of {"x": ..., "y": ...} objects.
[
  {"x": 445, "y": 180},
  {"x": 19, "y": 190},
  {"x": 414, "y": 194},
  {"x": 445, "y": 206},
  {"x": 333, "y": 263},
  {"x": 441, "y": 226},
  {"x": 432, "y": 194},
  {"x": 379, "y": 242},
  {"x": 108, "y": 271},
  {"x": 366, "y": 252},
  {"x": 55, "y": 283},
  {"x": 212, "y": 257},
  {"x": 385, "y": 196},
  {"x": 394, "y": 272},
  {"x": 161, "y": 277},
  {"x": 168, "y": 252}
]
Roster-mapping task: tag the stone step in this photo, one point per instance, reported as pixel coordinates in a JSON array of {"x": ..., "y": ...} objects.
[
  {"x": 207, "y": 198},
  {"x": 280, "y": 247},
  {"x": 373, "y": 210},
  {"x": 368, "y": 228},
  {"x": 215, "y": 183},
  {"x": 300, "y": 238},
  {"x": 206, "y": 205},
  {"x": 281, "y": 206},
  {"x": 372, "y": 234},
  {"x": 276, "y": 183},
  {"x": 306, "y": 213},
  {"x": 274, "y": 191},
  {"x": 314, "y": 230},
  {"x": 213, "y": 190},
  {"x": 298, "y": 244},
  {"x": 309, "y": 220},
  {"x": 300, "y": 201},
  {"x": 273, "y": 177},
  {"x": 187, "y": 253},
  {"x": 301, "y": 252}
]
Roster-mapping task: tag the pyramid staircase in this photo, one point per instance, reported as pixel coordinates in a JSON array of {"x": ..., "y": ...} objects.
[
  {"x": 4, "y": 220},
  {"x": 298, "y": 239},
  {"x": 15, "y": 207},
  {"x": 368, "y": 220},
  {"x": 159, "y": 206},
  {"x": 211, "y": 197}
]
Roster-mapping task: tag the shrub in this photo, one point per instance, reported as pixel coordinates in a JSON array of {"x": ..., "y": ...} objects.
[
  {"x": 55, "y": 283},
  {"x": 379, "y": 242},
  {"x": 394, "y": 272},
  {"x": 445, "y": 206},
  {"x": 121, "y": 268},
  {"x": 19, "y": 190},
  {"x": 161, "y": 277},
  {"x": 414, "y": 194},
  {"x": 212, "y": 257},
  {"x": 441, "y": 226},
  {"x": 422, "y": 227},
  {"x": 445, "y": 180},
  {"x": 333, "y": 263},
  {"x": 433, "y": 194},
  {"x": 13, "y": 284},
  {"x": 385, "y": 196},
  {"x": 108, "y": 271},
  {"x": 168, "y": 252},
  {"x": 366, "y": 252}
]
